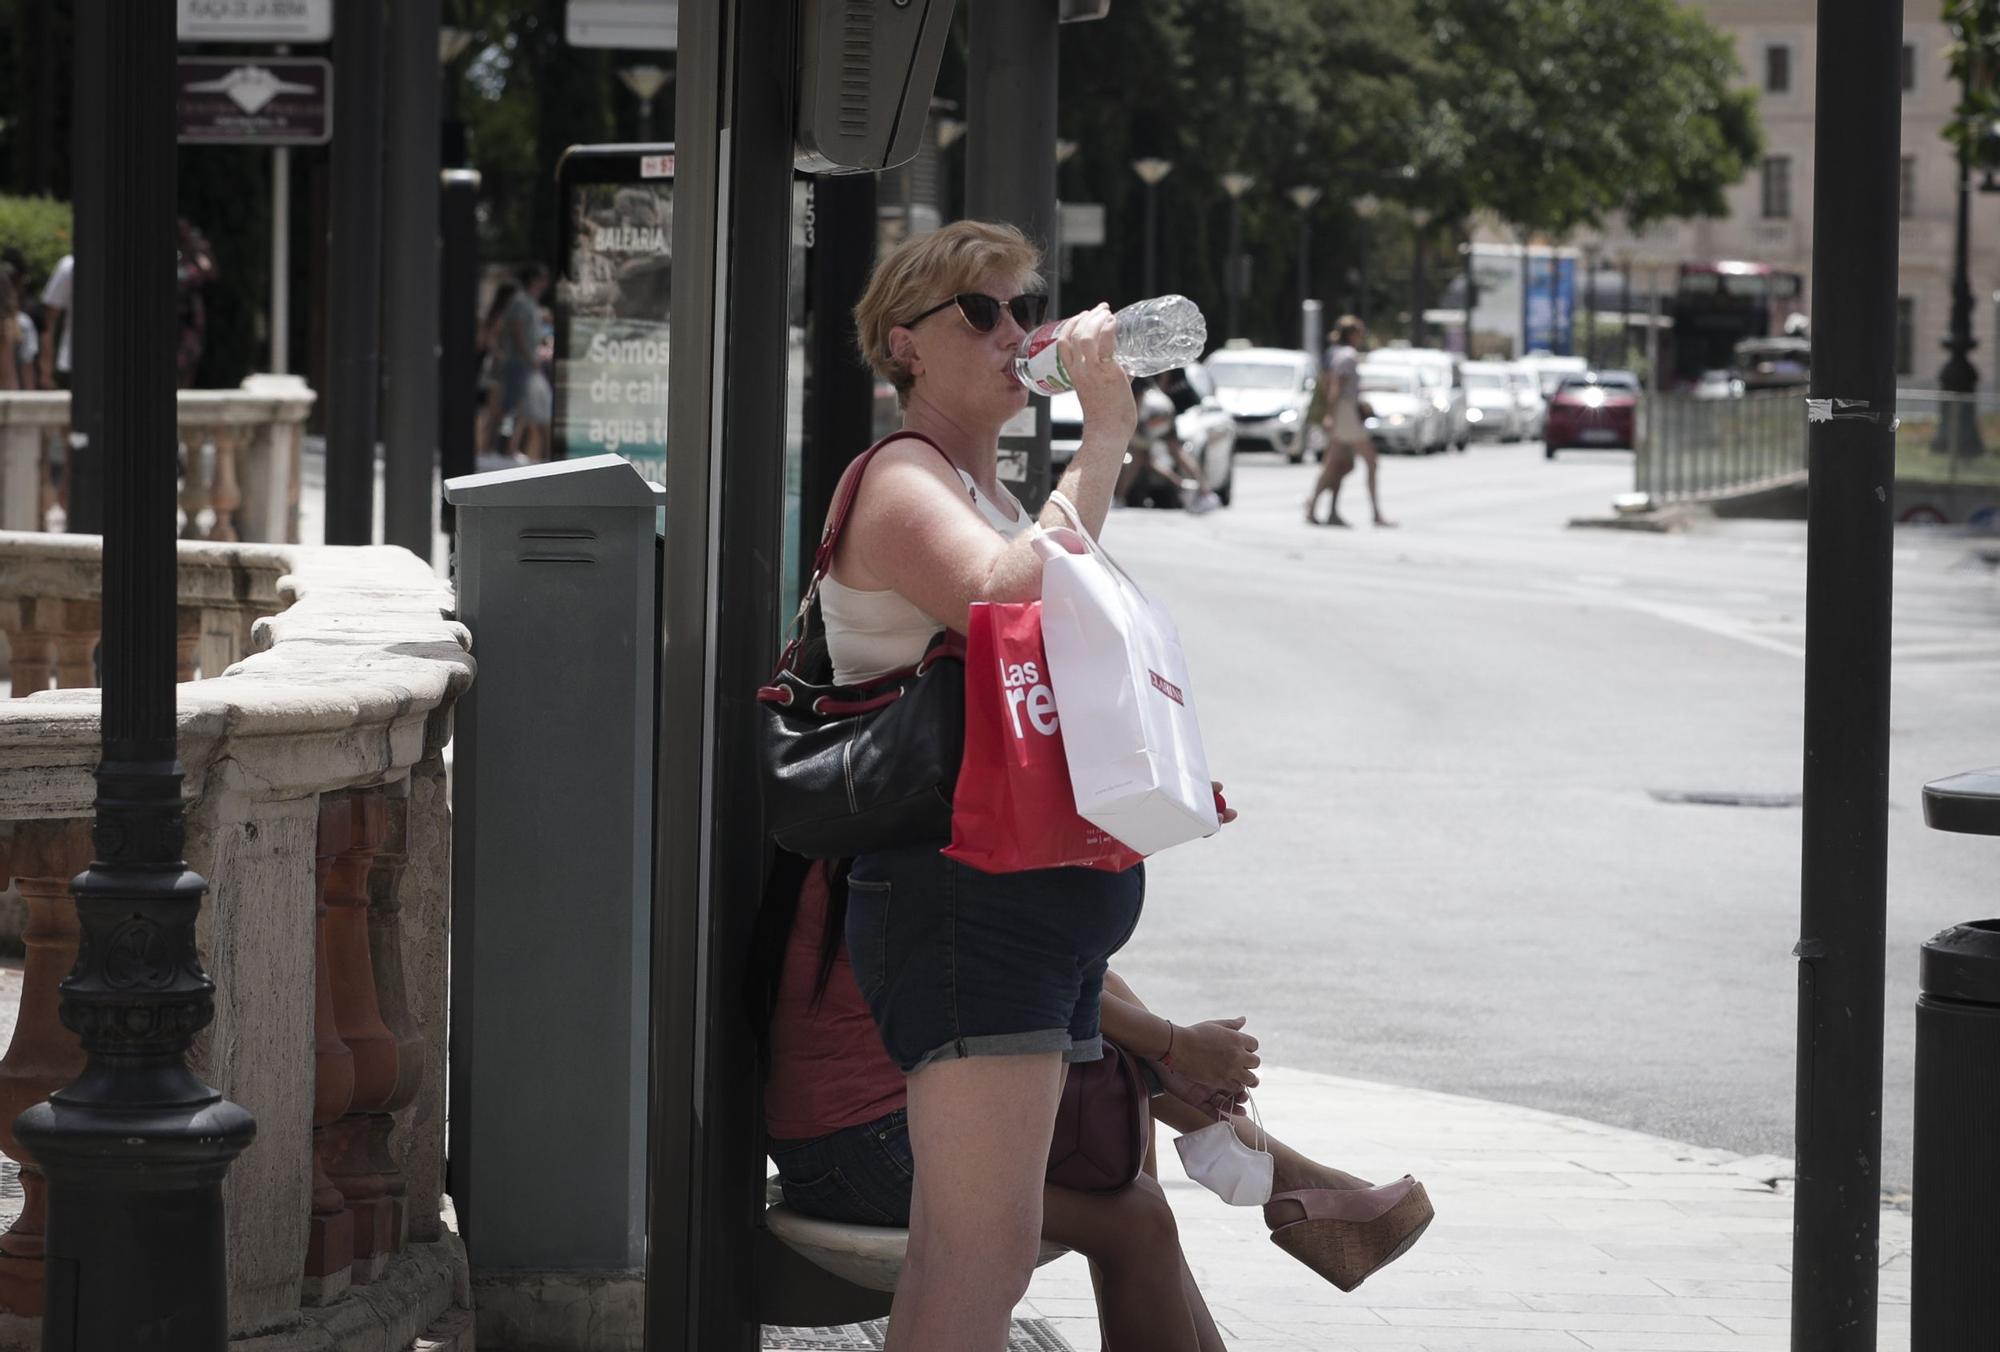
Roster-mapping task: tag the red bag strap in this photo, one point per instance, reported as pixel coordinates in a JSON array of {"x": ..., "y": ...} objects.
[{"x": 836, "y": 521}]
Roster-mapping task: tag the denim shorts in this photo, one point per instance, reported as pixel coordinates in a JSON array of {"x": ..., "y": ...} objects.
[
  {"x": 860, "y": 1175},
  {"x": 955, "y": 962}
]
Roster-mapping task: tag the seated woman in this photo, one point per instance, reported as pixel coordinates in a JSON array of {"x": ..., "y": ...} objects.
[{"x": 838, "y": 1129}]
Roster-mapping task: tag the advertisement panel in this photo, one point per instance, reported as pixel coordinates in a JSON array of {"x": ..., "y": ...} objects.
[{"x": 613, "y": 304}]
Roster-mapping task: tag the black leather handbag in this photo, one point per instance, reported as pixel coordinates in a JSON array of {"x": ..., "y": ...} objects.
[{"x": 847, "y": 769}]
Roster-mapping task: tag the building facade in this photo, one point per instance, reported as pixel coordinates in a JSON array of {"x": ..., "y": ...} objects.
[{"x": 1770, "y": 212}]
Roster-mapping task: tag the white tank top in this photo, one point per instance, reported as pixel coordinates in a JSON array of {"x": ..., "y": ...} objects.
[{"x": 871, "y": 633}]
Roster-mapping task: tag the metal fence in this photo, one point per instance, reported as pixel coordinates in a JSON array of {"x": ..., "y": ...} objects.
[
  {"x": 1691, "y": 449},
  {"x": 1695, "y": 448}
]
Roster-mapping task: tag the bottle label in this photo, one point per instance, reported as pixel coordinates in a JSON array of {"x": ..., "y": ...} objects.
[{"x": 1040, "y": 365}]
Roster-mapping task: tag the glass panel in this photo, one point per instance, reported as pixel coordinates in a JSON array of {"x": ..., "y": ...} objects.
[{"x": 796, "y": 377}]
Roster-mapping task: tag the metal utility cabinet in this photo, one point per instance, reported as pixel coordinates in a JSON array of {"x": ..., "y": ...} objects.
[{"x": 558, "y": 575}]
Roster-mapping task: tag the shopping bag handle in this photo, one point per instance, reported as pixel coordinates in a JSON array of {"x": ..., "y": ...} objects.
[{"x": 1061, "y": 502}]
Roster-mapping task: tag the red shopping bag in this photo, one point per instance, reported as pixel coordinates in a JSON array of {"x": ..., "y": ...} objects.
[{"x": 1013, "y": 809}]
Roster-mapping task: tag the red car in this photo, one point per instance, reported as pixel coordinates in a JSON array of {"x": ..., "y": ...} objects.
[{"x": 1592, "y": 410}]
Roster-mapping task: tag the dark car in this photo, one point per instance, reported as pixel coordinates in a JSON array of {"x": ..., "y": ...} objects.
[{"x": 1593, "y": 410}]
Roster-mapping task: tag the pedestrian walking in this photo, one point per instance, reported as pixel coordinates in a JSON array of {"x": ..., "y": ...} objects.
[
  {"x": 10, "y": 333},
  {"x": 1346, "y": 435}
]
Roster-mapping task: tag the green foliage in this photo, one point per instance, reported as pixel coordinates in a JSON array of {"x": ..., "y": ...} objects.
[
  {"x": 1551, "y": 114},
  {"x": 39, "y": 227},
  {"x": 1975, "y": 64}
]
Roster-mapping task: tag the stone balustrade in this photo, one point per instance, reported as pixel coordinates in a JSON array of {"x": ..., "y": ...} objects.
[
  {"x": 239, "y": 452},
  {"x": 313, "y": 745}
]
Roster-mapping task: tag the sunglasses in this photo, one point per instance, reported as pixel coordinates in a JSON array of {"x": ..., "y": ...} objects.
[{"x": 983, "y": 311}]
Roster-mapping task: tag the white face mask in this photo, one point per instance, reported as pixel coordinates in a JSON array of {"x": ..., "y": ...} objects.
[{"x": 1217, "y": 1158}]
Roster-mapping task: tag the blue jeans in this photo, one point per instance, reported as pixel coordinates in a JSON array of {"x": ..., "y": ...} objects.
[{"x": 860, "y": 1175}]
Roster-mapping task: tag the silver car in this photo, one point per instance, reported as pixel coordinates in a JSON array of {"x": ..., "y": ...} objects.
[
  {"x": 1404, "y": 414},
  {"x": 1492, "y": 405},
  {"x": 1267, "y": 390}
]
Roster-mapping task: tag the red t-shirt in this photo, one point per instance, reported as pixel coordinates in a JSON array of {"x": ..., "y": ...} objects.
[{"x": 828, "y": 1068}]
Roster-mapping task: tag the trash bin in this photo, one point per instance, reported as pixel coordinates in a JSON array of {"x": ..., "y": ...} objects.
[{"x": 1955, "y": 1261}]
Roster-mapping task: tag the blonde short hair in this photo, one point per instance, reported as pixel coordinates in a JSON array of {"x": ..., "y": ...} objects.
[{"x": 926, "y": 270}]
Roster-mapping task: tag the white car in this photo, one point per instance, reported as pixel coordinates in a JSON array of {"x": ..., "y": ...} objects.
[
  {"x": 1404, "y": 413},
  {"x": 1204, "y": 427},
  {"x": 1529, "y": 399},
  {"x": 1267, "y": 390},
  {"x": 1437, "y": 374},
  {"x": 1492, "y": 402},
  {"x": 1550, "y": 370}
]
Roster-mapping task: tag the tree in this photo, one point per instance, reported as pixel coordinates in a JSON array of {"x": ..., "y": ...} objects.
[{"x": 1548, "y": 118}]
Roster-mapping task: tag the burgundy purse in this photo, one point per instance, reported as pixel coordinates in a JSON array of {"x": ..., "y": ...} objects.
[{"x": 1103, "y": 1123}]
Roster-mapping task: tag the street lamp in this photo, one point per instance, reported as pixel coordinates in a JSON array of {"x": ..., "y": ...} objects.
[
  {"x": 1235, "y": 185},
  {"x": 645, "y": 82},
  {"x": 1958, "y": 428},
  {"x": 1065, "y": 148},
  {"x": 1367, "y": 208},
  {"x": 1304, "y": 197},
  {"x": 1150, "y": 171}
]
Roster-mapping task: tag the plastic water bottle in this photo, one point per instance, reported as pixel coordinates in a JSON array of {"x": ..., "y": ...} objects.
[{"x": 1152, "y": 336}]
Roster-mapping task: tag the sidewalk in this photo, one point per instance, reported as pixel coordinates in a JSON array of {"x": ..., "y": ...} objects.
[{"x": 1552, "y": 1234}]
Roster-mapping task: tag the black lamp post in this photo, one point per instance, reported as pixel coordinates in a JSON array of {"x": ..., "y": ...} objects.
[
  {"x": 136, "y": 1149},
  {"x": 1958, "y": 429},
  {"x": 1150, "y": 171},
  {"x": 1235, "y": 185},
  {"x": 1304, "y": 197}
]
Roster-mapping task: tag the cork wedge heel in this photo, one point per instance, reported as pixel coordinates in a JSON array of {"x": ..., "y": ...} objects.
[{"x": 1347, "y": 1235}]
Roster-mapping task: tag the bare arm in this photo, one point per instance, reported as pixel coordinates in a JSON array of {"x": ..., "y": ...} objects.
[{"x": 915, "y": 532}]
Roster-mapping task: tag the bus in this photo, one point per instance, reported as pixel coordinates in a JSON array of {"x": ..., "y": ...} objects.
[{"x": 1718, "y": 305}]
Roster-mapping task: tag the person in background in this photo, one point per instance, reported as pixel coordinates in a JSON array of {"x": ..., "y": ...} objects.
[
  {"x": 10, "y": 333},
  {"x": 28, "y": 347},
  {"x": 537, "y": 407},
  {"x": 193, "y": 270},
  {"x": 58, "y": 326},
  {"x": 1346, "y": 434},
  {"x": 519, "y": 337},
  {"x": 491, "y": 409}
]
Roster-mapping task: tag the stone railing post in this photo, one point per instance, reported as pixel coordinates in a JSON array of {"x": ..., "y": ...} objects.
[
  {"x": 330, "y": 1245},
  {"x": 359, "y": 1018},
  {"x": 30, "y": 642},
  {"x": 194, "y": 492},
  {"x": 43, "y": 1056},
  {"x": 225, "y": 494},
  {"x": 385, "y": 951},
  {"x": 76, "y": 644}
]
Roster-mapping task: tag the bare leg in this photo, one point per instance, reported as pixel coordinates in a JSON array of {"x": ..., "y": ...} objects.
[
  {"x": 1135, "y": 1254},
  {"x": 1369, "y": 454},
  {"x": 979, "y": 1129},
  {"x": 1333, "y": 468}
]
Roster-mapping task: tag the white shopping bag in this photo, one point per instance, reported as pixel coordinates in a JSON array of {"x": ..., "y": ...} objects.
[{"x": 1121, "y": 686}]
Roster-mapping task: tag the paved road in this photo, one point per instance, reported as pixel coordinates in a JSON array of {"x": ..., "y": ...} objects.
[{"x": 1453, "y": 871}]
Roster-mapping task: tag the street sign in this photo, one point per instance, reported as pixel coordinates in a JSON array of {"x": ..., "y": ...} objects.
[
  {"x": 256, "y": 20},
  {"x": 634, "y": 25},
  {"x": 245, "y": 101},
  {"x": 1082, "y": 223}
]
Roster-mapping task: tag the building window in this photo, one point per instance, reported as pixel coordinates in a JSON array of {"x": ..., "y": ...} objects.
[
  {"x": 1777, "y": 187},
  {"x": 1908, "y": 186},
  {"x": 1906, "y": 335},
  {"x": 1777, "y": 70},
  {"x": 1909, "y": 67}
]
